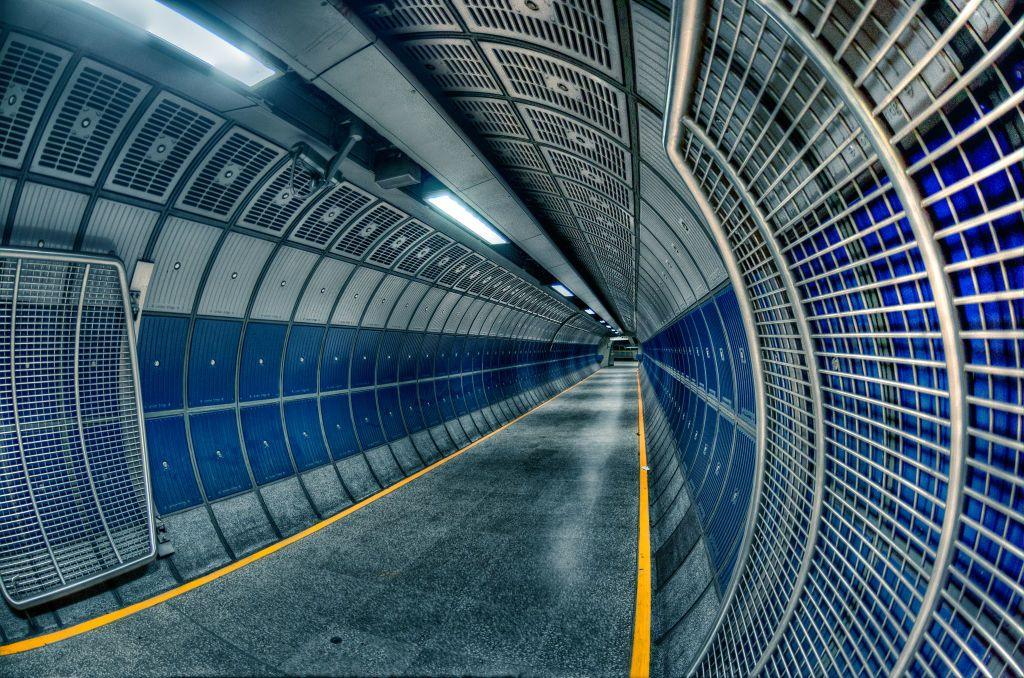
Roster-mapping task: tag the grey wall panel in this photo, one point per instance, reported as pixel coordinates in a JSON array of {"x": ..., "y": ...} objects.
[
  {"x": 180, "y": 257},
  {"x": 481, "y": 316},
  {"x": 650, "y": 54},
  {"x": 119, "y": 228},
  {"x": 7, "y": 187},
  {"x": 384, "y": 299},
  {"x": 355, "y": 296},
  {"x": 282, "y": 284},
  {"x": 444, "y": 308},
  {"x": 322, "y": 291},
  {"x": 48, "y": 214},
  {"x": 458, "y": 314},
  {"x": 407, "y": 304},
  {"x": 487, "y": 326},
  {"x": 234, "y": 274},
  {"x": 475, "y": 306},
  {"x": 651, "y": 149},
  {"x": 425, "y": 309}
]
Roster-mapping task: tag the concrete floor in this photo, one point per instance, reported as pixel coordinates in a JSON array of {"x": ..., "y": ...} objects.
[{"x": 516, "y": 558}]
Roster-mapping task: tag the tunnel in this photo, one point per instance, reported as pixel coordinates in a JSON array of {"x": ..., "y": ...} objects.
[{"x": 512, "y": 337}]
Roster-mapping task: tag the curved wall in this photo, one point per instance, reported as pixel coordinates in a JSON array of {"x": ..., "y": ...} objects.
[
  {"x": 301, "y": 346},
  {"x": 863, "y": 165}
]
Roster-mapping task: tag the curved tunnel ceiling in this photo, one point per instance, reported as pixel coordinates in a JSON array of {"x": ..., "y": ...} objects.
[{"x": 565, "y": 98}]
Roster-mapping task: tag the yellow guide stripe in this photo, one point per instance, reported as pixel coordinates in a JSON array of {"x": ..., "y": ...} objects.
[
  {"x": 641, "y": 663},
  {"x": 78, "y": 629}
]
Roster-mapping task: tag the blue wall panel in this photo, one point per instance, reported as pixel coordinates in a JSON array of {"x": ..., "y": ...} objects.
[
  {"x": 408, "y": 356},
  {"x": 337, "y": 418},
  {"x": 428, "y": 350},
  {"x": 364, "y": 358},
  {"x": 729, "y": 310},
  {"x": 170, "y": 466},
  {"x": 411, "y": 407},
  {"x": 160, "y": 348},
  {"x": 391, "y": 413},
  {"x": 336, "y": 358},
  {"x": 367, "y": 420},
  {"x": 211, "y": 365},
  {"x": 260, "y": 370},
  {"x": 301, "y": 359},
  {"x": 302, "y": 419},
  {"x": 428, "y": 403},
  {"x": 388, "y": 356},
  {"x": 264, "y": 443},
  {"x": 218, "y": 453}
]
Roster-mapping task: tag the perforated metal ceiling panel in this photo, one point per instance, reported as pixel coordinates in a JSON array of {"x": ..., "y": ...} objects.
[
  {"x": 229, "y": 171},
  {"x": 411, "y": 234},
  {"x": 272, "y": 208},
  {"x": 365, "y": 230},
  {"x": 159, "y": 149},
  {"x": 29, "y": 71},
  {"x": 493, "y": 117},
  {"x": 418, "y": 257},
  {"x": 89, "y": 116},
  {"x": 583, "y": 29},
  {"x": 330, "y": 213},
  {"x": 452, "y": 65}
]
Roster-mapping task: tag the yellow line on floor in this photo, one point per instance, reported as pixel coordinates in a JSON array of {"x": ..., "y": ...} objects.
[
  {"x": 640, "y": 667},
  {"x": 86, "y": 626}
]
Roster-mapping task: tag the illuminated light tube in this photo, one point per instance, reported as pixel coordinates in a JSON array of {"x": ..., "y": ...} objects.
[
  {"x": 589, "y": 311},
  {"x": 185, "y": 34},
  {"x": 447, "y": 204},
  {"x": 562, "y": 289}
]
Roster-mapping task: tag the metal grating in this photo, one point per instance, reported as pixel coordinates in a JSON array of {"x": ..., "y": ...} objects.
[
  {"x": 582, "y": 29},
  {"x": 362, "y": 234},
  {"x": 557, "y": 129},
  {"x": 330, "y": 213},
  {"x": 289, "y": 189},
  {"x": 397, "y": 243},
  {"x": 529, "y": 75},
  {"x": 445, "y": 259},
  {"x": 516, "y": 154},
  {"x": 226, "y": 175},
  {"x": 75, "y": 481},
  {"x": 89, "y": 117},
  {"x": 484, "y": 274},
  {"x": 459, "y": 268},
  {"x": 408, "y": 16},
  {"x": 418, "y": 257},
  {"x": 591, "y": 176},
  {"x": 29, "y": 70},
  {"x": 490, "y": 117},
  {"x": 530, "y": 180},
  {"x": 453, "y": 65},
  {"x": 158, "y": 151}
]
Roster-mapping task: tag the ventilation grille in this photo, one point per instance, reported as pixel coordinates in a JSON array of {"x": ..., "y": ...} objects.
[
  {"x": 582, "y": 29},
  {"x": 532, "y": 181},
  {"x": 285, "y": 194},
  {"x": 75, "y": 483},
  {"x": 29, "y": 70},
  {"x": 459, "y": 268},
  {"x": 481, "y": 268},
  {"x": 546, "y": 202},
  {"x": 418, "y": 256},
  {"x": 490, "y": 117},
  {"x": 443, "y": 261},
  {"x": 330, "y": 214},
  {"x": 562, "y": 131},
  {"x": 233, "y": 167},
  {"x": 171, "y": 134},
  {"x": 453, "y": 65},
  {"x": 516, "y": 154},
  {"x": 485, "y": 275},
  {"x": 538, "y": 78},
  {"x": 591, "y": 176},
  {"x": 408, "y": 16},
  {"x": 89, "y": 117},
  {"x": 365, "y": 231},
  {"x": 398, "y": 243}
]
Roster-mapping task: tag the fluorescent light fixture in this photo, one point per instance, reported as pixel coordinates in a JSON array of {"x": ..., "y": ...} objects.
[
  {"x": 185, "y": 34},
  {"x": 446, "y": 203},
  {"x": 562, "y": 289},
  {"x": 589, "y": 311}
]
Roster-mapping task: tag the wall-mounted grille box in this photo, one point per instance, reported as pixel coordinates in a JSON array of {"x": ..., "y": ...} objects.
[{"x": 74, "y": 480}]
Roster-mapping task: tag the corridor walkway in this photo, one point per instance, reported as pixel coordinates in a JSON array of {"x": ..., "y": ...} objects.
[{"x": 517, "y": 557}]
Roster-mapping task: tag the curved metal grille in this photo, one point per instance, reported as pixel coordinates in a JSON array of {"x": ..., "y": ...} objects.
[{"x": 73, "y": 477}]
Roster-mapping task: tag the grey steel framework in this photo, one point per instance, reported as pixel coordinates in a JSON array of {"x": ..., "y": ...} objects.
[
  {"x": 875, "y": 147},
  {"x": 74, "y": 478}
]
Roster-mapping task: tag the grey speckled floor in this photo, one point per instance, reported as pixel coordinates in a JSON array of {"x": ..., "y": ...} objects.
[{"x": 516, "y": 558}]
